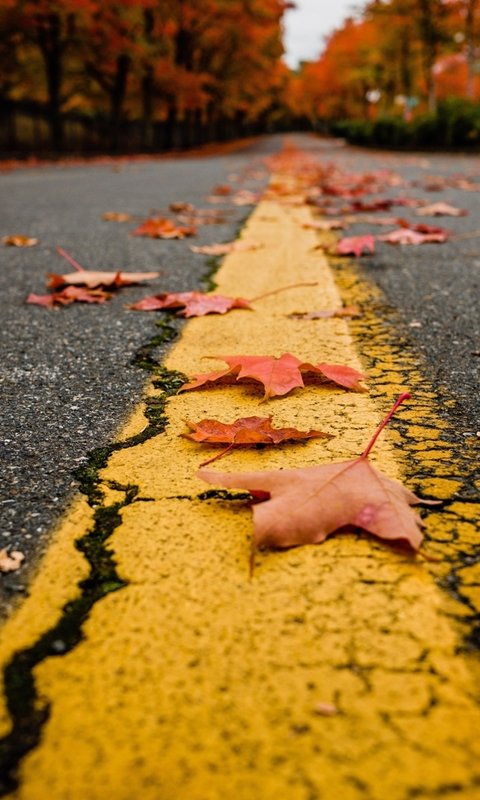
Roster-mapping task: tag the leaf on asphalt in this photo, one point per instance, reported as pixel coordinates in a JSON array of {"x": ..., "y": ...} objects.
[
  {"x": 346, "y": 311},
  {"x": 67, "y": 296},
  {"x": 409, "y": 236},
  {"x": 19, "y": 240},
  {"x": 10, "y": 562},
  {"x": 116, "y": 216},
  {"x": 325, "y": 224},
  {"x": 222, "y": 189},
  {"x": 94, "y": 278},
  {"x": 278, "y": 375},
  {"x": 163, "y": 228},
  {"x": 355, "y": 245},
  {"x": 245, "y": 197},
  {"x": 238, "y": 246},
  {"x": 441, "y": 209},
  {"x": 181, "y": 207},
  {"x": 305, "y": 506},
  {"x": 247, "y": 431},
  {"x": 193, "y": 304}
]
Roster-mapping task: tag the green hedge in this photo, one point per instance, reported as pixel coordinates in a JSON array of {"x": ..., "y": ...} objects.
[{"x": 456, "y": 124}]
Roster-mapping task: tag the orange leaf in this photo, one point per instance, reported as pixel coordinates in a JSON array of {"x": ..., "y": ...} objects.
[
  {"x": 304, "y": 506},
  {"x": 18, "y": 240},
  {"x": 238, "y": 246},
  {"x": 195, "y": 304},
  {"x": 278, "y": 375},
  {"x": 69, "y": 295},
  {"x": 441, "y": 209},
  {"x": 162, "y": 228},
  {"x": 356, "y": 245},
  {"x": 93, "y": 278}
]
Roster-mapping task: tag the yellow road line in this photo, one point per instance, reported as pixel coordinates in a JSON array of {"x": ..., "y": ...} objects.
[{"x": 197, "y": 682}]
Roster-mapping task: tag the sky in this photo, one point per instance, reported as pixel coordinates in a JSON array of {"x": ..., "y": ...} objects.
[{"x": 309, "y": 23}]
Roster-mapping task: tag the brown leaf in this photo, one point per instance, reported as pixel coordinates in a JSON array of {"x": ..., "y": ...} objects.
[
  {"x": 245, "y": 431},
  {"x": 116, "y": 216},
  {"x": 324, "y": 224},
  {"x": 93, "y": 278},
  {"x": 162, "y": 228},
  {"x": 19, "y": 240},
  {"x": 278, "y": 375},
  {"x": 69, "y": 295},
  {"x": 441, "y": 209},
  {"x": 238, "y": 246},
  {"x": 10, "y": 562},
  {"x": 346, "y": 311},
  {"x": 355, "y": 245},
  {"x": 304, "y": 506},
  {"x": 409, "y": 236},
  {"x": 194, "y": 304}
]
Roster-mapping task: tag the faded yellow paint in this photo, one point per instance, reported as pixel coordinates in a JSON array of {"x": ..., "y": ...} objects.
[{"x": 197, "y": 681}]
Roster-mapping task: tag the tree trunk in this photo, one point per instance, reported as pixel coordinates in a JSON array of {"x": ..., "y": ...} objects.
[
  {"x": 51, "y": 47},
  {"x": 117, "y": 98}
]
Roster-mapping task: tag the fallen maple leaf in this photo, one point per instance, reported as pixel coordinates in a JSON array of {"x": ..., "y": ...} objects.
[
  {"x": 441, "y": 209},
  {"x": 181, "y": 207},
  {"x": 92, "y": 278},
  {"x": 278, "y": 375},
  {"x": 409, "y": 236},
  {"x": 324, "y": 224},
  {"x": 245, "y": 431},
  {"x": 304, "y": 506},
  {"x": 10, "y": 562},
  {"x": 195, "y": 304},
  {"x": 162, "y": 228},
  {"x": 355, "y": 245},
  {"x": 19, "y": 240},
  {"x": 346, "y": 311},
  {"x": 238, "y": 246},
  {"x": 116, "y": 216},
  {"x": 69, "y": 295}
]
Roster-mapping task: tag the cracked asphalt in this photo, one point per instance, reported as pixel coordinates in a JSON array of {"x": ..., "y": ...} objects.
[
  {"x": 67, "y": 377},
  {"x": 148, "y": 660}
]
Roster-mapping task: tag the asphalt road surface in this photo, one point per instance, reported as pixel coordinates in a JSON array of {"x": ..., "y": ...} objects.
[{"x": 67, "y": 376}]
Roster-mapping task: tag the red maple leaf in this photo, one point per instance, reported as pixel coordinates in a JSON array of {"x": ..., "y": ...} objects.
[
  {"x": 162, "y": 228},
  {"x": 193, "y": 304},
  {"x": 278, "y": 375},
  {"x": 245, "y": 431},
  {"x": 93, "y": 278},
  {"x": 69, "y": 295},
  {"x": 304, "y": 506},
  {"x": 355, "y": 245}
]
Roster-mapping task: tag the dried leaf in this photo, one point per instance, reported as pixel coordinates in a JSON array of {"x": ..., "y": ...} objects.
[
  {"x": 162, "y": 228},
  {"x": 194, "y": 304},
  {"x": 238, "y": 246},
  {"x": 116, "y": 216},
  {"x": 409, "y": 236},
  {"x": 19, "y": 240},
  {"x": 69, "y": 295},
  {"x": 278, "y": 375},
  {"x": 245, "y": 431},
  {"x": 93, "y": 278},
  {"x": 346, "y": 311},
  {"x": 355, "y": 245},
  {"x": 304, "y": 506},
  {"x": 324, "y": 224},
  {"x": 441, "y": 209},
  {"x": 10, "y": 562}
]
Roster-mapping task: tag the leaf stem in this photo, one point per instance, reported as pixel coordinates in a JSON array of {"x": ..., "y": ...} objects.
[
  {"x": 218, "y": 455},
  {"x": 69, "y": 258},
  {"x": 282, "y": 289},
  {"x": 385, "y": 421}
]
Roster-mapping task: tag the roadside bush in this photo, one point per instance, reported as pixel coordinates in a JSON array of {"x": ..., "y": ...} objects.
[{"x": 456, "y": 124}]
